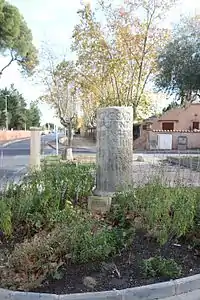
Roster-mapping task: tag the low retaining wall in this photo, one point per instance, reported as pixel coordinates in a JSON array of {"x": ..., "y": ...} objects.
[
  {"x": 13, "y": 135},
  {"x": 185, "y": 286},
  {"x": 186, "y": 162}
]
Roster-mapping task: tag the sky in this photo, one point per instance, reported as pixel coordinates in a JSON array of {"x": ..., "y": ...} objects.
[{"x": 52, "y": 22}]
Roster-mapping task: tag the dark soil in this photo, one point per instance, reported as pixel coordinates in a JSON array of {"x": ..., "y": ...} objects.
[{"x": 122, "y": 271}]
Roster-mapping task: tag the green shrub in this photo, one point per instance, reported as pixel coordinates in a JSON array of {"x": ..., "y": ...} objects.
[
  {"x": 5, "y": 218},
  {"x": 160, "y": 267},
  {"x": 81, "y": 240},
  {"x": 165, "y": 212},
  {"x": 168, "y": 212},
  {"x": 46, "y": 197},
  {"x": 121, "y": 217},
  {"x": 91, "y": 240}
]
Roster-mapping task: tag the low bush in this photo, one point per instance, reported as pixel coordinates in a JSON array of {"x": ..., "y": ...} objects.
[
  {"x": 122, "y": 217},
  {"x": 33, "y": 260},
  {"x": 81, "y": 240},
  {"x": 160, "y": 267},
  {"x": 55, "y": 230},
  {"x": 38, "y": 202},
  {"x": 5, "y": 218},
  {"x": 165, "y": 212}
]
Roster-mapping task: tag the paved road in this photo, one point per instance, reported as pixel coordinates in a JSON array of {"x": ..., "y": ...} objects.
[{"x": 14, "y": 158}]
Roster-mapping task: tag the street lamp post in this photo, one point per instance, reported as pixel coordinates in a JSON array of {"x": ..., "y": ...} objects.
[{"x": 6, "y": 110}]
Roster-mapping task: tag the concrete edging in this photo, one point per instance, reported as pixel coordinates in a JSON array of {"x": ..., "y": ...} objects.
[
  {"x": 52, "y": 146},
  {"x": 13, "y": 142},
  {"x": 151, "y": 292}
]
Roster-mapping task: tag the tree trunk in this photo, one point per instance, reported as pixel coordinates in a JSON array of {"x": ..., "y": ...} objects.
[
  {"x": 70, "y": 138},
  {"x": 134, "y": 112},
  {"x": 70, "y": 135},
  {"x": 67, "y": 154}
]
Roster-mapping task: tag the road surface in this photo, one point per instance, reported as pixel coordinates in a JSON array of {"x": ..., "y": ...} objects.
[{"x": 14, "y": 158}]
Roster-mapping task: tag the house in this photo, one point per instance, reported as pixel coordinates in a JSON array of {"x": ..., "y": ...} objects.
[{"x": 178, "y": 128}]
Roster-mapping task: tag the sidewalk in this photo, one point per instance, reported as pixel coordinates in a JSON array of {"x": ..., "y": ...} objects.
[{"x": 78, "y": 143}]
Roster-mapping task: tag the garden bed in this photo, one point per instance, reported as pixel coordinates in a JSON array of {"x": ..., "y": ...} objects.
[
  {"x": 51, "y": 243},
  {"x": 122, "y": 271}
]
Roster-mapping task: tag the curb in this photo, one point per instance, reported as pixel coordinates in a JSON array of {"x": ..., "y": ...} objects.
[
  {"x": 183, "y": 286},
  {"x": 13, "y": 142},
  {"x": 53, "y": 147},
  {"x": 60, "y": 149}
]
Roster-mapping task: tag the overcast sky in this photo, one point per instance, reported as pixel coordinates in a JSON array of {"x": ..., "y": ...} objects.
[{"x": 53, "y": 22}]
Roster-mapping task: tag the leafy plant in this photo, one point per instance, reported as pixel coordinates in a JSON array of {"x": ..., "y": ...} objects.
[
  {"x": 31, "y": 261},
  {"x": 91, "y": 240},
  {"x": 178, "y": 62},
  {"x": 82, "y": 239},
  {"x": 164, "y": 212},
  {"x": 122, "y": 216},
  {"x": 16, "y": 39},
  {"x": 160, "y": 267},
  {"x": 168, "y": 212},
  {"x": 5, "y": 219},
  {"x": 46, "y": 197}
]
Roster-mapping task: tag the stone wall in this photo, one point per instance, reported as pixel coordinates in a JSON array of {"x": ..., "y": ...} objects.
[{"x": 13, "y": 135}]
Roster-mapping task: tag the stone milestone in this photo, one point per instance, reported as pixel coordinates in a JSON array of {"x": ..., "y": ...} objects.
[{"x": 114, "y": 151}]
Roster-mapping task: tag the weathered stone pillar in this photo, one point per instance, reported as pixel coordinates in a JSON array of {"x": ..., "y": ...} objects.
[
  {"x": 114, "y": 154},
  {"x": 35, "y": 148}
]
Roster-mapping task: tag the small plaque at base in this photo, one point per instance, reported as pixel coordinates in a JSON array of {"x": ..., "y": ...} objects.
[{"x": 99, "y": 204}]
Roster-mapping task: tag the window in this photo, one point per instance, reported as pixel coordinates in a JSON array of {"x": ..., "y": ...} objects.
[
  {"x": 144, "y": 127},
  {"x": 168, "y": 126},
  {"x": 195, "y": 125}
]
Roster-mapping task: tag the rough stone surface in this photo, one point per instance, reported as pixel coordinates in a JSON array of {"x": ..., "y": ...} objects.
[
  {"x": 69, "y": 154},
  {"x": 89, "y": 282},
  {"x": 114, "y": 149},
  {"x": 140, "y": 158}
]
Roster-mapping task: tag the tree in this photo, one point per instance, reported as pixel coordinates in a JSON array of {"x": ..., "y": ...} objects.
[
  {"x": 179, "y": 61},
  {"x": 61, "y": 93},
  {"x": 13, "y": 107},
  {"x": 33, "y": 116},
  {"x": 172, "y": 105},
  {"x": 16, "y": 39},
  {"x": 116, "y": 59},
  {"x": 12, "y": 102},
  {"x": 49, "y": 126}
]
